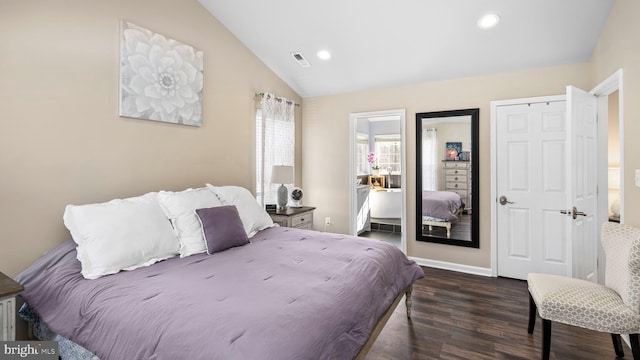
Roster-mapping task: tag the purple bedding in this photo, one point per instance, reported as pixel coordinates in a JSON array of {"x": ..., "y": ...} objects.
[
  {"x": 441, "y": 204},
  {"x": 290, "y": 294}
]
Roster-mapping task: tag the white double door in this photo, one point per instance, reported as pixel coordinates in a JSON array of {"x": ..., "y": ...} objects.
[{"x": 546, "y": 187}]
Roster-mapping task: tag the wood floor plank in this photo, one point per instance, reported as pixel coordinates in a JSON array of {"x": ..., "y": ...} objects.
[{"x": 461, "y": 316}]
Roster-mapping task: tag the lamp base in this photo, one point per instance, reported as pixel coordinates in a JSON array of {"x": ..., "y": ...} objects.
[{"x": 283, "y": 194}]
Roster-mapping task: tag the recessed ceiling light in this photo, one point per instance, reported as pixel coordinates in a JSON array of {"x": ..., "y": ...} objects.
[
  {"x": 488, "y": 21},
  {"x": 324, "y": 55}
]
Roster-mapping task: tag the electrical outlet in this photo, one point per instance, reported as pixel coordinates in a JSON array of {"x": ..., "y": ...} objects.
[
  {"x": 637, "y": 177},
  {"x": 327, "y": 221}
]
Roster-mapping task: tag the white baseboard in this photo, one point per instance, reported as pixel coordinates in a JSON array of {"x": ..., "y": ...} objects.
[{"x": 474, "y": 270}]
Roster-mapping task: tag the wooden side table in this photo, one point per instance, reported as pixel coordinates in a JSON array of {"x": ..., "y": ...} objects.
[
  {"x": 8, "y": 291},
  {"x": 301, "y": 218}
]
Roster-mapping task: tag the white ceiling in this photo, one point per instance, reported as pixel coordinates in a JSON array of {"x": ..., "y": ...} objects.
[{"x": 382, "y": 43}]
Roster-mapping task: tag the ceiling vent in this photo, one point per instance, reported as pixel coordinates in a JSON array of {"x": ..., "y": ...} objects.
[{"x": 300, "y": 60}]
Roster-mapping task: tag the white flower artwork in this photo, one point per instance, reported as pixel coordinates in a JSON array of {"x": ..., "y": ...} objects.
[{"x": 160, "y": 79}]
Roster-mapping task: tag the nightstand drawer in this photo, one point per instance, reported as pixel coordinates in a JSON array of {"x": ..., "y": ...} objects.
[
  {"x": 300, "y": 221},
  {"x": 456, "y": 185},
  {"x": 454, "y": 172},
  {"x": 453, "y": 178},
  {"x": 305, "y": 226},
  {"x": 301, "y": 217},
  {"x": 456, "y": 164}
]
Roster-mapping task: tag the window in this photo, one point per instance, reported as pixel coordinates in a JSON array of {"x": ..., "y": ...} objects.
[
  {"x": 388, "y": 152},
  {"x": 429, "y": 159},
  {"x": 362, "y": 149},
  {"x": 275, "y": 145}
]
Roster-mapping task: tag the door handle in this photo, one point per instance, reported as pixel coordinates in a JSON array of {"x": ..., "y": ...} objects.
[
  {"x": 575, "y": 213},
  {"x": 503, "y": 200}
]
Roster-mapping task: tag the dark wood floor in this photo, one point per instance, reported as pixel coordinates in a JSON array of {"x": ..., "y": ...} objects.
[{"x": 461, "y": 316}]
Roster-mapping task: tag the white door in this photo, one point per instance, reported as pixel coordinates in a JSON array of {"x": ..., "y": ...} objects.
[
  {"x": 531, "y": 176},
  {"x": 583, "y": 197},
  {"x": 547, "y": 188}
]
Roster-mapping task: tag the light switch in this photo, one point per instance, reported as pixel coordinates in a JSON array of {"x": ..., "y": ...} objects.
[{"x": 638, "y": 177}]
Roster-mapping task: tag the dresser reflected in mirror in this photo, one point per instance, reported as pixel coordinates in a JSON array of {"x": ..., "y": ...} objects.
[{"x": 447, "y": 176}]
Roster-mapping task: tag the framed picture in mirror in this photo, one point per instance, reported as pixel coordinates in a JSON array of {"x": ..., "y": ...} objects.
[{"x": 452, "y": 151}]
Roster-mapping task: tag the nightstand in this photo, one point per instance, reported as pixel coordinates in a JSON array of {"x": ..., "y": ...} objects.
[
  {"x": 301, "y": 217},
  {"x": 8, "y": 291}
]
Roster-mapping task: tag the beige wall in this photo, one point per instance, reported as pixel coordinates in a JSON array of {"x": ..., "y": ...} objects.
[
  {"x": 619, "y": 47},
  {"x": 326, "y": 143},
  {"x": 62, "y": 140}
]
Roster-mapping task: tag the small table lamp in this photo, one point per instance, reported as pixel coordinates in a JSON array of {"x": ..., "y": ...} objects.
[{"x": 281, "y": 174}]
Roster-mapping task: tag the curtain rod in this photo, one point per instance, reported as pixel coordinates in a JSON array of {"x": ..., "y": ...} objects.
[{"x": 279, "y": 99}]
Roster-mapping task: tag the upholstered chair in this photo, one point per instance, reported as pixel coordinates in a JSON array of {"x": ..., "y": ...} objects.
[{"x": 613, "y": 308}]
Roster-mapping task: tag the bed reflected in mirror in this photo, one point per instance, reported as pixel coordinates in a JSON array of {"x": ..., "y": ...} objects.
[{"x": 446, "y": 177}]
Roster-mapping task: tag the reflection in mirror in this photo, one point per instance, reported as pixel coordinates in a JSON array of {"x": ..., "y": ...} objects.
[{"x": 447, "y": 176}]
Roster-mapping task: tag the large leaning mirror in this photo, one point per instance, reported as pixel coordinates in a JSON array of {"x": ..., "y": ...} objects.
[{"x": 447, "y": 177}]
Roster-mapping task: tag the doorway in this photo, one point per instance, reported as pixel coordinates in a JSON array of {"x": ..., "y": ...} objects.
[
  {"x": 611, "y": 156},
  {"x": 581, "y": 255},
  {"x": 377, "y": 175}
]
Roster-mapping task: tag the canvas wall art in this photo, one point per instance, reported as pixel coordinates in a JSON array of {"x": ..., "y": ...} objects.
[
  {"x": 452, "y": 150},
  {"x": 160, "y": 79}
]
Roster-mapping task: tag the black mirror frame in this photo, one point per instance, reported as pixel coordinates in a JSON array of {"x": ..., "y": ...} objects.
[{"x": 475, "y": 177}]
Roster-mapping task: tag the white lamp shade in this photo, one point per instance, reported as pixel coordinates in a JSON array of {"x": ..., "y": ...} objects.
[{"x": 281, "y": 174}]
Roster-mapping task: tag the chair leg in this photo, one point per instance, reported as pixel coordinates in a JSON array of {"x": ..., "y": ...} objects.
[
  {"x": 635, "y": 346},
  {"x": 617, "y": 345},
  {"x": 546, "y": 339},
  {"x": 532, "y": 314}
]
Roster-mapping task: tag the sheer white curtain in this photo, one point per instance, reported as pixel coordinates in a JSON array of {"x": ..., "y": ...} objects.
[
  {"x": 275, "y": 143},
  {"x": 429, "y": 159}
]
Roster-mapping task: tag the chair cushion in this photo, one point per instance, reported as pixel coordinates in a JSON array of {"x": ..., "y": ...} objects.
[{"x": 581, "y": 303}]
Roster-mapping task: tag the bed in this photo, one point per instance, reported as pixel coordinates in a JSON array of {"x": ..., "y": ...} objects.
[
  {"x": 288, "y": 294},
  {"x": 441, "y": 208}
]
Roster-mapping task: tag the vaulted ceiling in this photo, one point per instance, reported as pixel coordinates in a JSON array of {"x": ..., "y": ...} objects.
[{"x": 382, "y": 43}]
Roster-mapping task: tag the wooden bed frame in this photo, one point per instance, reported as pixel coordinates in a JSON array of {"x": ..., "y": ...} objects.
[{"x": 383, "y": 320}]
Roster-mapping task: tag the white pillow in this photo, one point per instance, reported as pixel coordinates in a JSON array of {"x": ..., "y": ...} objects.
[
  {"x": 253, "y": 217},
  {"x": 180, "y": 208},
  {"x": 122, "y": 234}
]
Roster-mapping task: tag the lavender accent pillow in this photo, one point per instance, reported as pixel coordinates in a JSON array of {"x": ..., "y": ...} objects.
[{"x": 222, "y": 228}]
